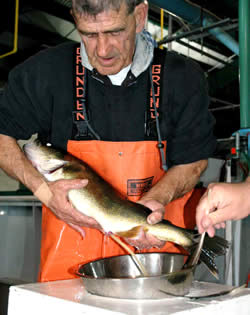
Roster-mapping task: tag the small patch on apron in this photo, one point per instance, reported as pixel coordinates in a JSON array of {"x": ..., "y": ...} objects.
[{"x": 136, "y": 187}]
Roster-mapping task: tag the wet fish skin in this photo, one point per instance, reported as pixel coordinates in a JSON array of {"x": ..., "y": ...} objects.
[{"x": 117, "y": 215}]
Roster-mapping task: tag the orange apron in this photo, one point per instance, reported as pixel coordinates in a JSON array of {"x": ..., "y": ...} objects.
[{"x": 124, "y": 165}]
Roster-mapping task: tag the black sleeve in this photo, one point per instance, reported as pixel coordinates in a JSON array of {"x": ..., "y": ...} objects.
[
  {"x": 192, "y": 137},
  {"x": 24, "y": 105}
]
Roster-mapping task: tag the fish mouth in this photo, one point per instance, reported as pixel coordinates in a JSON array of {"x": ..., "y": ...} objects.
[
  {"x": 51, "y": 171},
  {"x": 45, "y": 163},
  {"x": 48, "y": 170}
]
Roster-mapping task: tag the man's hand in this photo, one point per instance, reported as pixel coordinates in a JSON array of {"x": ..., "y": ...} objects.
[
  {"x": 177, "y": 181},
  {"x": 14, "y": 162},
  {"x": 64, "y": 210},
  {"x": 224, "y": 202},
  {"x": 146, "y": 240}
]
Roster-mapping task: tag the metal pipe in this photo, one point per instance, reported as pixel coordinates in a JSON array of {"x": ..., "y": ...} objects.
[
  {"x": 168, "y": 38},
  {"x": 180, "y": 8},
  {"x": 15, "y": 41},
  {"x": 216, "y": 100},
  {"x": 11, "y": 198},
  {"x": 228, "y": 270},
  {"x": 223, "y": 37},
  {"x": 218, "y": 64},
  {"x": 170, "y": 30},
  {"x": 162, "y": 26},
  {"x": 237, "y": 251},
  {"x": 202, "y": 52},
  {"x": 223, "y": 108},
  {"x": 224, "y": 28},
  {"x": 244, "y": 40},
  {"x": 192, "y": 13}
]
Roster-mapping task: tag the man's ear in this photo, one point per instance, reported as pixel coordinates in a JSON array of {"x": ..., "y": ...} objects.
[
  {"x": 73, "y": 15},
  {"x": 141, "y": 13}
]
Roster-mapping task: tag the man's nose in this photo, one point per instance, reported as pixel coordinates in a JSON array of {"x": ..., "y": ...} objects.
[{"x": 103, "y": 45}]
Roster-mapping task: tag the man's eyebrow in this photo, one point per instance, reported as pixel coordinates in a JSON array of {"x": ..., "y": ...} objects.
[
  {"x": 114, "y": 30},
  {"x": 86, "y": 33}
]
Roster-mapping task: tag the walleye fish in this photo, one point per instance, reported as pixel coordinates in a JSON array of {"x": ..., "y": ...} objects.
[{"x": 121, "y": 217}]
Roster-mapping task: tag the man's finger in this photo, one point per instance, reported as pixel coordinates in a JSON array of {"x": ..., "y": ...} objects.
[
  {"x": 78, "y": 229},
  {"x": 217, "y": 217},
  {"x": 73, "y": 183},
  {"x": 155, "y": 217},
  {"x": 201, "y": 211},
  {"x": 211, "y": 231}
]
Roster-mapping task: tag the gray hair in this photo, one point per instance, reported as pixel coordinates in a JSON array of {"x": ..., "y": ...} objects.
[{"x": 94, "y": 7}]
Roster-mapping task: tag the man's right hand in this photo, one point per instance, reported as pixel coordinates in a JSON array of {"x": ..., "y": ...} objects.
[
  {"x": 55, "y": 195},
  {"x": 60, "y": 205}
]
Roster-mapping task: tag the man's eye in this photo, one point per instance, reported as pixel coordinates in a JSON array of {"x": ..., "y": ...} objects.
[
  {"x": 116, "y": 33},
  {"x": 91, "y": 35}
]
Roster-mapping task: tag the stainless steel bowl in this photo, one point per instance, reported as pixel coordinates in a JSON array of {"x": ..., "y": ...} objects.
[{"x": 119, "y": 276}]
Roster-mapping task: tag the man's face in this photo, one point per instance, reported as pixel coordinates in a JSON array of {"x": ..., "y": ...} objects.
[{"x": 109, "y": 37}]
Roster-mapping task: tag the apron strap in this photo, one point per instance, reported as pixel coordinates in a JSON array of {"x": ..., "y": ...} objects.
[
  {"x": 79, "y": 114},
  {"x": 156, "y": 79}
]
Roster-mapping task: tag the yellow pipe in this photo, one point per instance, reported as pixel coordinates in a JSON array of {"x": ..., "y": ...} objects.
[
  {"x": 14, "y": 50},
  {"x": 162, "y": 26}
]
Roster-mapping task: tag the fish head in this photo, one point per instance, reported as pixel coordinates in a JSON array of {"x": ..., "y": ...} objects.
[{"x": 43, "y": 157}]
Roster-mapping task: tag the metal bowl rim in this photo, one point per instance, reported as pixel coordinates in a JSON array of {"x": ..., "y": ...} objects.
[
  {"x": 137, "y": 278},
  {"x": 126, "y": 278}
]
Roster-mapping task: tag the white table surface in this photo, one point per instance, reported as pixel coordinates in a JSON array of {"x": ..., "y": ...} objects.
[{"x": 70, "y": 297}]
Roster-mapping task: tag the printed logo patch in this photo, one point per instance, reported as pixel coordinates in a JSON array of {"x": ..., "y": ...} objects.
[{"x": 136, "y": 187}]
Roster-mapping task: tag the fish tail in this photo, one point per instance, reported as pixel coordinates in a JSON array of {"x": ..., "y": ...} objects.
[{"x": 212, "y": 248}]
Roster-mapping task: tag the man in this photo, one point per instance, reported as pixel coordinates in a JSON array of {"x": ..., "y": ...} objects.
[
  {"x": 104, "y": 114},
  {"x": 224, "y": 202}
]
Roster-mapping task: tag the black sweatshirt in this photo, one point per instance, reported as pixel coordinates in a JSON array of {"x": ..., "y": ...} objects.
[{"x": 39, "y": 98}]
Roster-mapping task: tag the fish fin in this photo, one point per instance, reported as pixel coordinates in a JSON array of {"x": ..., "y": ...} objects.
[
  {"x": 132, "y": 233},
  {"x": 216, "y": 244},
  {"x": 212, "y": 247}
]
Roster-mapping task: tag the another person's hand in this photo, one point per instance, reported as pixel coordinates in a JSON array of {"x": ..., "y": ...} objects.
[
  {"x": 64, "y": 210},
  {"x": 147, "y": 240},
  {"x": 225, "y": 202}
]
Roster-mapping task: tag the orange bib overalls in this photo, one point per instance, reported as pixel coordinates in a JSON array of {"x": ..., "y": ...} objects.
[{"x": 132, "y": 168}]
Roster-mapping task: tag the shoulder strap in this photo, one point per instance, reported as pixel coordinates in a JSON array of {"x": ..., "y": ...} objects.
[
  {"x": 157, "y": 77},
  {"x": 79, "y": 108},
  {"x": 84, "y": 131}
]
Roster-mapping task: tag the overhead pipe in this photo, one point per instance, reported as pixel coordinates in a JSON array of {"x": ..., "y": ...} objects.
[
  {"x": 228, "y": 105},
  {"x": 191, "y": 33},
  {"x": 15, "y": 41},
  {"x": 244, "y": 40},
  {"x": 162, "y": 26},
  {"x": 170, "y": 30},
  {"x": 225, "y": 28},
  {"x": 196, "y": 16},
  {"x": 202, "y": 52}
]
